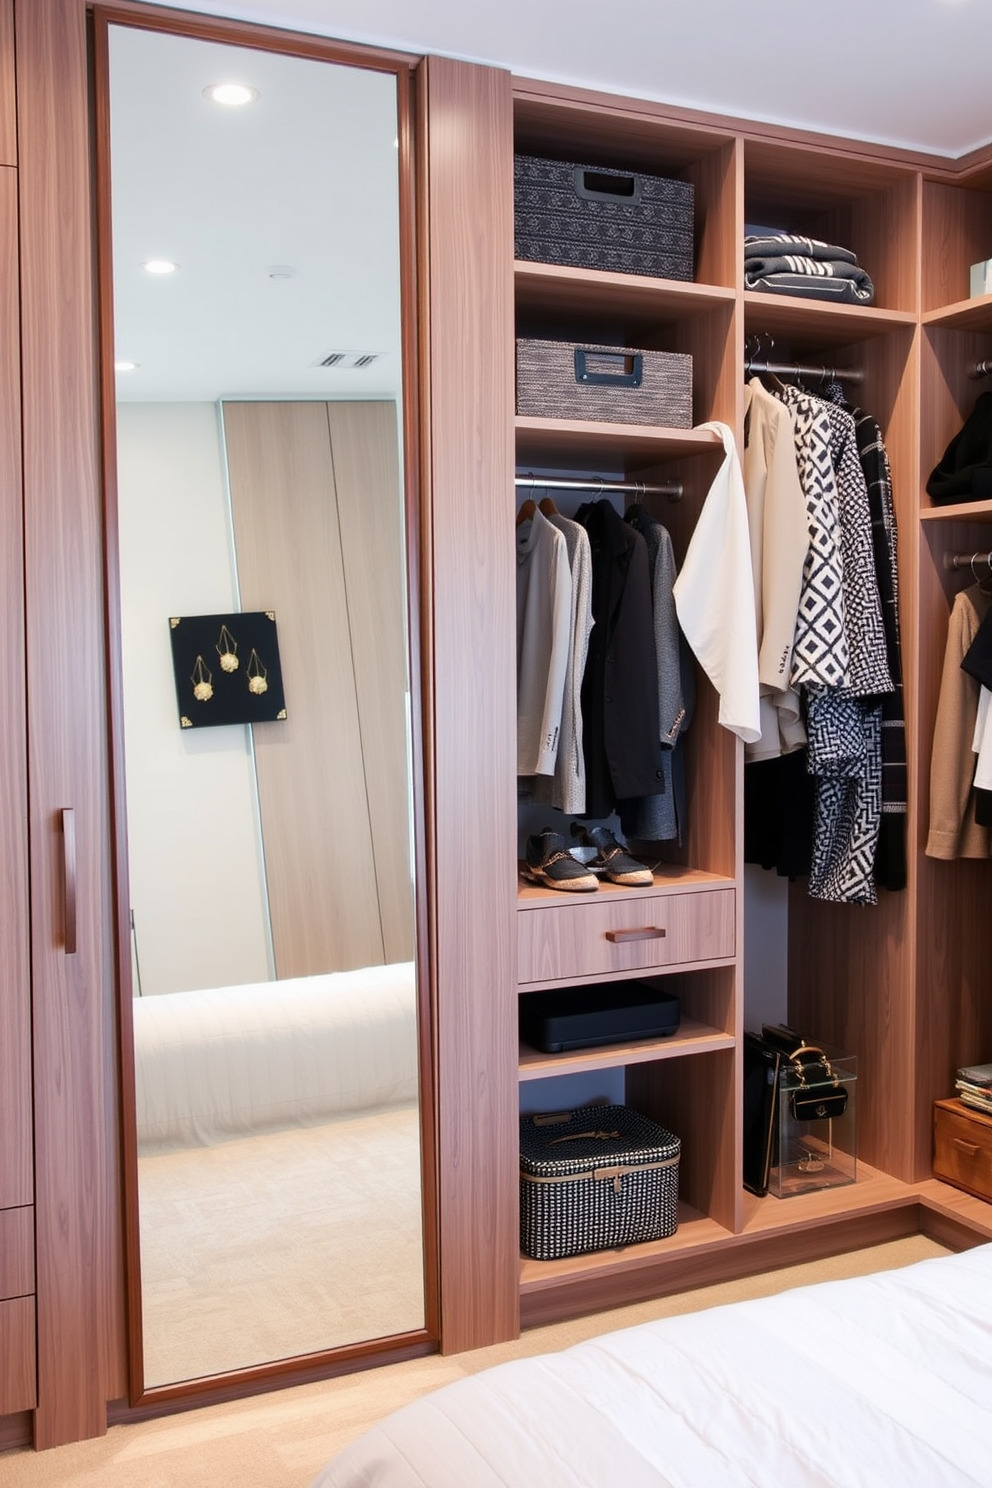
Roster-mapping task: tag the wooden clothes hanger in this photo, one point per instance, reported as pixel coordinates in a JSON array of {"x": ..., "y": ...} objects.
[{"x": 526, "y": 512}]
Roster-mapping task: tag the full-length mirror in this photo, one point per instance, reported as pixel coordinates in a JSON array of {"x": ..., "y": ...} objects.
[{"x": 265, "y": 700}]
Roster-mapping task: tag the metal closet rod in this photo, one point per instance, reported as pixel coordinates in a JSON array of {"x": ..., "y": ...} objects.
[
  {"x": 981, "y": 369},
  {"x": 796, "y": 369},
  {"x": 967, "y": 560},
  {"x": 671, "y": 489}
]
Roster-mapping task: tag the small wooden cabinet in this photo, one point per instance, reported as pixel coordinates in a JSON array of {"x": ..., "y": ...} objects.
[{"x": 962, "y": 1147}]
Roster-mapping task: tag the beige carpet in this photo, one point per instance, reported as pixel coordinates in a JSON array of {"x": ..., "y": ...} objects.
[
  {"x": 281, "y": 1244},
  {"x": 282, "y": 1440}
]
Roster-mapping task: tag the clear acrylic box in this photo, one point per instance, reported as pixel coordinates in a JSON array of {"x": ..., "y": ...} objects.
[{"x": 820, "y": 1152}]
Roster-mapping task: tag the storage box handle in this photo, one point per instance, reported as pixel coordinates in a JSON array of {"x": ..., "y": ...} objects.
[
  {"x": 607, "y": 186},
  {"x": 622, "y": 368}
]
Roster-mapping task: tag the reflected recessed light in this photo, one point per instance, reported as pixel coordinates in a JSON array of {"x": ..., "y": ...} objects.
[
  {"x": 159, "y": 266},
  {"x": 281, "y": 271},
  {"x": 126, "y": 366},
  {"x": 232, "y": 95}
]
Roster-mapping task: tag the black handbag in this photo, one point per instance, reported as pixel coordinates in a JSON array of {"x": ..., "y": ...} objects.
[{"x": 819, "y": 1092}]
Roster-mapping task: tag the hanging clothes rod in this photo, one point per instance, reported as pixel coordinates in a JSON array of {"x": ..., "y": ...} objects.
[
  {"x": 671, "y": 489},
  {"x": 794, "y": 369},
  {"x": 981, "y": 369},
  {"x": 954, "y": 561}
]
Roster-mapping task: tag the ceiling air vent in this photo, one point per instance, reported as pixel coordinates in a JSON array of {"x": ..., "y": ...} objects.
[{"x": 346, "y": 359}]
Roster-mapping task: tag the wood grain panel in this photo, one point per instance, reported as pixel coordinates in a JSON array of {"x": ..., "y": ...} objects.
[
  {"x": 313, "y": 795},
  {"x": 18, "y": 1380},
  {"x": 718, "y": 180},
  {"x": 16, "y": 1150},
  {"x": 8, "y": 115},
  {"x": 575, "y": 941},
  {"x": 468, "y": 179},
  {"x": 370, "y": 512},
  {"x": 957, "y": 232},
  {"x": 16, "y": 1252},
  {"x": 697, "y": 1098},
  {"x": 79, "y": 1256}
]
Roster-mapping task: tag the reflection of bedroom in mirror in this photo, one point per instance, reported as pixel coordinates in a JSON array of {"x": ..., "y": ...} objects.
[{"x": 270, "y": 865}]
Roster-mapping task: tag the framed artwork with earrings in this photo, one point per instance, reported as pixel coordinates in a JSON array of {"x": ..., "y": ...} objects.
[{"x": 227, "y": 669}]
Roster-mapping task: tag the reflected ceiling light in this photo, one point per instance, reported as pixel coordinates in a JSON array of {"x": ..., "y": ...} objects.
[
  {"x": 281, "y": 271},
  {"x": 126, "y": 366},
  {"x": 232, "y": 95},
  {"x": 159, "y": 266}
]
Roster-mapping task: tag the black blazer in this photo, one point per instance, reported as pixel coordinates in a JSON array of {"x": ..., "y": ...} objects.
[{"x": 621, "y": 732}]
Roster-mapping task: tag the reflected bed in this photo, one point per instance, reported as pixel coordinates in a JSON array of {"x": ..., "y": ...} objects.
[{"x": 235, "y": 1061}]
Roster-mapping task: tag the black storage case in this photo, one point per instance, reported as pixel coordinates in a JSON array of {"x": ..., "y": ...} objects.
[
  {"x": 591, "y": 217},
  {"x": 594, "y": 1179},
  {"x": 608, "y": 1013}
]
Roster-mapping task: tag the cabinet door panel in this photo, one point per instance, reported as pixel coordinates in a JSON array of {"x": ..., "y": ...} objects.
[{"x": 16, "y": 1178}]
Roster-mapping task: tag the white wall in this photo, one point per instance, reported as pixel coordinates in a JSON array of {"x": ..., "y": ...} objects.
[{"x": 196, "y": 876}]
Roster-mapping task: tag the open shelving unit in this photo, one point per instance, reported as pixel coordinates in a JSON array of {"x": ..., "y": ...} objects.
[{"x": 881, "y": 981}]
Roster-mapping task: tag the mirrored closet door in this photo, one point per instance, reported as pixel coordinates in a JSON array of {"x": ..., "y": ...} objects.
[{"x": 263, "y": 701}]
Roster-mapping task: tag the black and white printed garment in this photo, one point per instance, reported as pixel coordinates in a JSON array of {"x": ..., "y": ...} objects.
[
  {"x": 848, "y": 803},
  {"x": 868, "y": 668},
  {"x": 820, "y": 655}
]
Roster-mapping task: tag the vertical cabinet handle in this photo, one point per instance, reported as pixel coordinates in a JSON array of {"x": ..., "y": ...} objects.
[{"x": 69, "y": 871}]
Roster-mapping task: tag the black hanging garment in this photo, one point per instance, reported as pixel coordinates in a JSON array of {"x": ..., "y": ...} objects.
[{"x": 620, "y": 728}]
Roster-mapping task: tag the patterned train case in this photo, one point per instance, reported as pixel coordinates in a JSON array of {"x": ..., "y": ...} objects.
[{"x": 594, "y": 1179}]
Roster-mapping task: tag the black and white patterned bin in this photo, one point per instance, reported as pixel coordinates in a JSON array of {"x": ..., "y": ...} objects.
[{"x": 595, "y": 1179}]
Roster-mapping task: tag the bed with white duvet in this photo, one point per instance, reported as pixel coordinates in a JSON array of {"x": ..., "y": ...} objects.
[{"x": 880, "y": 1382}]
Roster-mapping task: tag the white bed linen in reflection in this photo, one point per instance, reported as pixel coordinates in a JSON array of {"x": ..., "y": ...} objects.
[
  {"x": 220, "y": 1063},
  {"x": 875, "y": 1382}
]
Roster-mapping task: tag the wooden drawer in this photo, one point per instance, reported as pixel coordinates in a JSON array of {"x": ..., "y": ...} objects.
[
  {"x": 963, "y": 1147},
  {"x": 614, "y": 934},
  {"x": 18, "y": 1388}
]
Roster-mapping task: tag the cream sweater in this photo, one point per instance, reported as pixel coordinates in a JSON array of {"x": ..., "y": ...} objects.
[{"x": 954, "y": 833}]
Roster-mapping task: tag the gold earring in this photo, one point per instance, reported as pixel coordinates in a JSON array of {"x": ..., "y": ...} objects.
[
  {"x": 202, "y": 678},
  {"x": 227, "y": 650},
  {"x": 257, "y": 674}
]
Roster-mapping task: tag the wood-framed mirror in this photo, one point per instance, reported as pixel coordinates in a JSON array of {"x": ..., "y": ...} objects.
[{"x": 260, "y": 430}]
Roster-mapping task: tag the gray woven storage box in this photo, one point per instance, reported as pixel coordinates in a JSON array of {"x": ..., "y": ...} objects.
[
  {"x": 595, "y": 1179},
  {"x": 590, "y": 217},
  {"x": 615, "y": 385}
]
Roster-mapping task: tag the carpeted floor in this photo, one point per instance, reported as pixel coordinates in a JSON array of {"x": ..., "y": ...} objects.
[
  {"x": 281, "y": 1440},
  {"x": 281, "y": 1244}
]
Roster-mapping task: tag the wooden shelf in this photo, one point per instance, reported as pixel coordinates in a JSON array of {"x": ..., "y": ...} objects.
[
  {"x": 958, "y": 511},
  {"x": 544, "y": 441},
  {"x": 694, "y": 1229},
  {"x": 658, "y": 302},
  {"x": 815, "y": 323},
  {"x": 692, "y": 1038},
  {"x": 770, "y": 1213},
  {"x": 964, "y": 315},
  {"x": 673, "y": 880}
]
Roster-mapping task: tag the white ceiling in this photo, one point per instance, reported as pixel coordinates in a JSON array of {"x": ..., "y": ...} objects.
[
  {"x": 902, "y": 72},
  {"x": 306, "y": 176}
]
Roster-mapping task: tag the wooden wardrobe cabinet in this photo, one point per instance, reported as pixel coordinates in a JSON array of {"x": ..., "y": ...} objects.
[{"x": 904, "y": 985}]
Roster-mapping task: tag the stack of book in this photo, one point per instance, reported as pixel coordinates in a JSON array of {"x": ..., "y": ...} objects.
[{"x": 974, "y": 1087}]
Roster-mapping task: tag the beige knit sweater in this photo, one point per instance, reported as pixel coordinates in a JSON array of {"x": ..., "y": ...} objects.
[{"x": 954, "y": 833}]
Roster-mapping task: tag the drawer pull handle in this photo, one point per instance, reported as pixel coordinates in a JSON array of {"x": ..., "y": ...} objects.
[
  {"x": 971, "y": 1148},
  {"x": 649, "y": 932},
  {"x": 69, "y": 879}
]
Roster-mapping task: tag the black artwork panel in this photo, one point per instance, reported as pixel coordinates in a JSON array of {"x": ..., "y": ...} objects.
[{"x": 227, "y": 669}]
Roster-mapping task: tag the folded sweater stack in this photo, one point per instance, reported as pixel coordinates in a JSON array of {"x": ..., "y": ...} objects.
[{"x": 785, "y": 264}]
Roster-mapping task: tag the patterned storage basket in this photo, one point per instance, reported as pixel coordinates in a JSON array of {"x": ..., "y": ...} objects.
[
  {"x": 587, "y": 217},
  {"x": 615, "y": 385},
  {"x": 594, "y": 1179}
]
